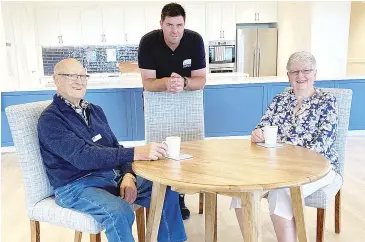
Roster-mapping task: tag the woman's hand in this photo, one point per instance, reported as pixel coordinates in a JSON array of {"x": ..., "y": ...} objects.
[{"x": 257, "y": 136}]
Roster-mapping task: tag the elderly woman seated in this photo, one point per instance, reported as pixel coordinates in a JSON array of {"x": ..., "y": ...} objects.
[{"x": 306, "y": 117}]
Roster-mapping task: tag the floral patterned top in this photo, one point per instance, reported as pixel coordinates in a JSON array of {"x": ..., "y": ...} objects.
[{"x": 313, "y": 126}]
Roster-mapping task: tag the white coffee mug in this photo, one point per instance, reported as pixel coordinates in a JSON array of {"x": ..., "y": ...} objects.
[
  {"x": 270, "y": 134},
  {"x": 173, "y": 146}
]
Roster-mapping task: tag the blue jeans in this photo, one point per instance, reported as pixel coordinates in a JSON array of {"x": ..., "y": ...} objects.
[{"x": 97, "y": 194}]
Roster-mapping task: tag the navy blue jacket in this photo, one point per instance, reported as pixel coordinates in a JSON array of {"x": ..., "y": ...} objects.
[{"x": 67, "y": 148}]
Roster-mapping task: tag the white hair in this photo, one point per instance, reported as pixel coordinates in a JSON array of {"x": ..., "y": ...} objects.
[{"x": 301, "y": 56}]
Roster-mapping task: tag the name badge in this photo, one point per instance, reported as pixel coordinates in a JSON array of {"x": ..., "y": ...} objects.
[
  {"x": 96, "y": 138},
  {"x": 187, "y": 63}
]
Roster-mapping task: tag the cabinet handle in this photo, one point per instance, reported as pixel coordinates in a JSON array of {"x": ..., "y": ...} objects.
[
  {"x": 126, "y": 38},
  {"x": 220, "y": 34},
  {"x": 103, "y": 38},
  {"x": 60, "y": 40},
  {"x": 223, "y": 33},
  {"x": 258, "y": 16}
]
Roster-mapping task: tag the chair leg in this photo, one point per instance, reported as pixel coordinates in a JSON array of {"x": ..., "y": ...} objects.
[
  {"x": 140, "y": 224},
  {"x": 78, "y": 236},
  {"x": 201, "y": 202},
  {"x": 321, "y": 218},
  {"x": 338, "y": 212},
  {"x": 147, "y": 213},
  {"x": 95, "y": 237},
  {"x": 34, "y": 231}
]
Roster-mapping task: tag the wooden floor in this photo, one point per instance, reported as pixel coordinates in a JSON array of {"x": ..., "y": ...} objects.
[{"x": 15, "y": 223}]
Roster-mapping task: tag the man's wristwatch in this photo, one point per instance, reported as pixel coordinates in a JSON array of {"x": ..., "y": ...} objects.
[{"x": 185, "y": 81}]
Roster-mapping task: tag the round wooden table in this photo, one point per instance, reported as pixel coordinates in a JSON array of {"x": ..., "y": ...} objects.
[{"x": 233, "y": 167}]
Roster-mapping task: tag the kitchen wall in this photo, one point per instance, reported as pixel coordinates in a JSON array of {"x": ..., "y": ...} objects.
[
  {"x": 329, "y": 36},
  {"x": 356, "y": 48},
  {"x": 321, "y": 28},
  {"x": 294, "y": 32}
]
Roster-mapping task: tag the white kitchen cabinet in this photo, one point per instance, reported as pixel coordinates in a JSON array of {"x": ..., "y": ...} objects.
[
  {"x": 70, "y": 25},
  {"x": 58, "y": 26},
  {"x": 221, "y": 21},
  {"x": 153, "y": 17},
  {"x": 267, "y": 12},
  {"x": 48, "y": 26},
  {"x": 256, "y": 12},
  {"x": 102, "y": 25},
  {"x": 195, "y": 18},
  {"x": 214, "y": 28},
  {"x": 134, "y": 24},
  {"x": 92, "y": 25},
  {"x": 113, "y": 25}
]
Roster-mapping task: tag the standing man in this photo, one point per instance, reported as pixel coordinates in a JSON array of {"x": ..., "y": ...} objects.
[{"x": 172, "y": 59}]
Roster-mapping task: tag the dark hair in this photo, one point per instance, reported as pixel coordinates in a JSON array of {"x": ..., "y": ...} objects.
[{"x": 172, "y": 10}]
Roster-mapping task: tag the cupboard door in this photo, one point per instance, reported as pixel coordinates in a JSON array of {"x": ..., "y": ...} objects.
[
  {"x": 268, "y": 12},
  {"x": 70, "y": 25},
  {"x": 134, "y": 24},
  {"x": 92, "y": 26},
  {"x": 153, "y": 17},
  {"x": 246, "y": 12},
  {"x": 195, "y": 18},
  {"x": 214, "y": 18},
  {"x": 113, "y": 25},
  {"x": 47, "y": 26},
  {"x": 228, "y": 21}
]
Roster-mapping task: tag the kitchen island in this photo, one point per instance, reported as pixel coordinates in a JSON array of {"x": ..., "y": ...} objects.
[{"x": 233, "y": 103}]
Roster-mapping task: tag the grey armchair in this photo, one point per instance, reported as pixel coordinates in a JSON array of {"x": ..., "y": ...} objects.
[
  {"x": 40, "y": 202},
  {"x": 180, "y": 114},
  {"x": 322, "y": 198}
]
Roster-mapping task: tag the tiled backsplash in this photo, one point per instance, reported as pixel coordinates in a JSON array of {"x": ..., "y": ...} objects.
[{"x": 97, "y": 59}]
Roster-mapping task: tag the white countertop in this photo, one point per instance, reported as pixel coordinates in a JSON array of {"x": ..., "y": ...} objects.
[{"x": 133, "y": 80}]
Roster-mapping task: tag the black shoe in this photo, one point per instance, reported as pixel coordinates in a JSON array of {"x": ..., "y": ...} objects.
[{"x": 185, "y": 213}]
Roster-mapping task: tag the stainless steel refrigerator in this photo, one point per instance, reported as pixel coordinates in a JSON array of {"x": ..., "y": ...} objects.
[{"x": 256, "y": 49}]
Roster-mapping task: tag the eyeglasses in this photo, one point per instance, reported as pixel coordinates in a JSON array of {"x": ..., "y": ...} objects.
[
  {"x": 304, "y": 72},
  {"x": 74, "y": 77}
]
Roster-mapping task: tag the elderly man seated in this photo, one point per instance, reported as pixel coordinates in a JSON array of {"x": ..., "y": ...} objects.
[
  {"x": 305, "y": 117},
  {"x": 88, "y": 169}
]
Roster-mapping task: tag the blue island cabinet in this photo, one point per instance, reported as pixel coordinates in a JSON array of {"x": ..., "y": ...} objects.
[
  {"x": 357, "y": 115},
  {"x": 117, "y": 108},
  {"x": 229, "y": 110},
  {"x": 233, "y": 110}
]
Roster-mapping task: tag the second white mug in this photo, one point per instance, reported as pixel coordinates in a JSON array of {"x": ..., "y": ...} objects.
[{"x": 270, "y": 134}]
